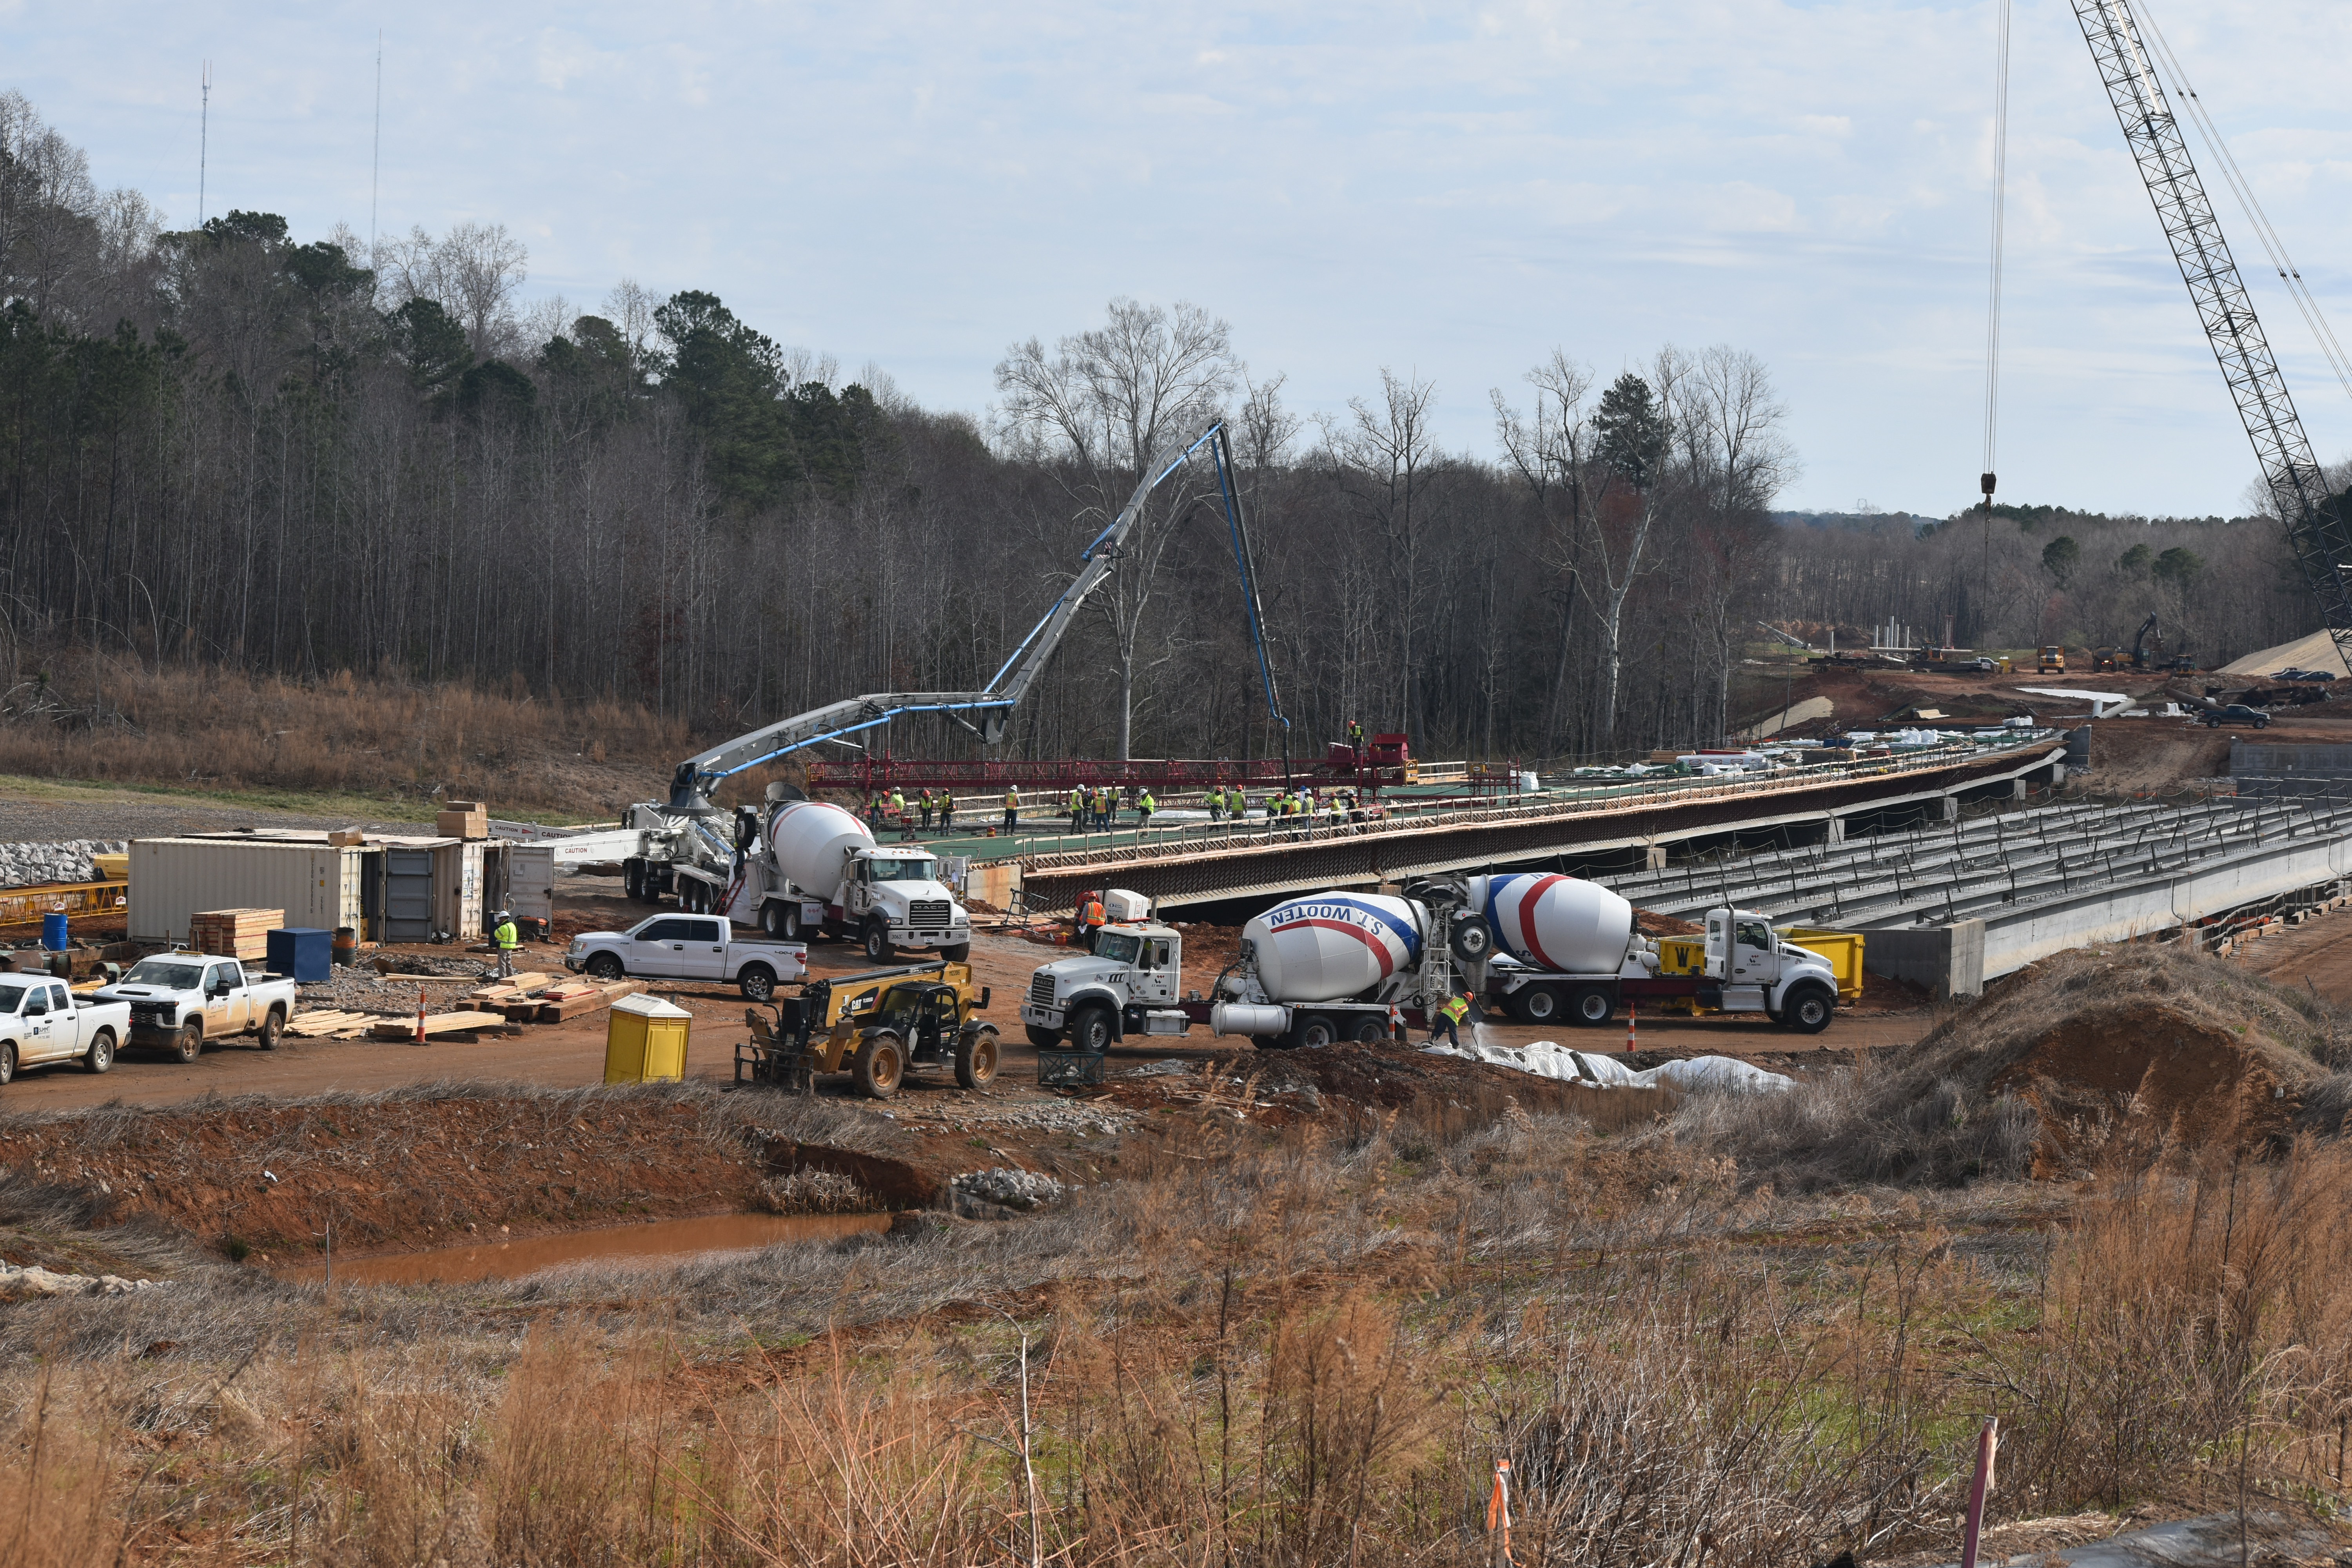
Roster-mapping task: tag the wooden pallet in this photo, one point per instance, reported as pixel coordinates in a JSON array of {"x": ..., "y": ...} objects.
[
  {"x": 568, "y": 1001},
  {"x": 514, "y": 988},
  {"x": 436, "y": 1024}
]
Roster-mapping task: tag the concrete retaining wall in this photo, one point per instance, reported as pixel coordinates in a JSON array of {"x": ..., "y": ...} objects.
[{"x": 1950, "y": 961}]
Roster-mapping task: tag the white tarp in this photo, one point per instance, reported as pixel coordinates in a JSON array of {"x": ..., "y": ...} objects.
[{"x": 1546, "y": 1058}]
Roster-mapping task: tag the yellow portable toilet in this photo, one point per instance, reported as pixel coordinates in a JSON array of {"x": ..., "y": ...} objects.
[{"x": 645, "y": 1042}]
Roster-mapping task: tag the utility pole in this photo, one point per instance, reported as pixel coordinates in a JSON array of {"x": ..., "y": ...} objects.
[{"x": 204, "y": 140}]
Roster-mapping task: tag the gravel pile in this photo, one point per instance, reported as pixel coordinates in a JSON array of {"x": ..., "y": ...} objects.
[
  {"x": 1012, "y": 1189},
  {"x": 27, "y": 865}
]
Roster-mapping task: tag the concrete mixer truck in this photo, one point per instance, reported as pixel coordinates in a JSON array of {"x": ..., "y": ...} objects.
[
  {"x": 1337, "y": 966},
  {"x": 809, "y": 868}
]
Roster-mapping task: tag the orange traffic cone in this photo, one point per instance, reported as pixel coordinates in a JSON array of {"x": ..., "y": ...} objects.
[
  {"x": 1632, "y": 1021},
  {"x": 420, "y": 1014}
]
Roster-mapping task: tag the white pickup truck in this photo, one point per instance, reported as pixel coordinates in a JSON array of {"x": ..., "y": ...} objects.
[
  {"x": 688, "y": 947},
  {"x": 182, "y": 1000},
  {"x": 42, "y": 1021}
]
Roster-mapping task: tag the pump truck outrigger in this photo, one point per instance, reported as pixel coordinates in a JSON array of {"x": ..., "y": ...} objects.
[
  {"x": 1336, "y": 966},
  {"x": 822, "y": 877}
]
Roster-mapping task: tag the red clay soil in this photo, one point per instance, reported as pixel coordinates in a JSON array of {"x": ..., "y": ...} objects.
[
  {"x": 1656, "y": 925},
  {"x": 2151, "y": 1076}
]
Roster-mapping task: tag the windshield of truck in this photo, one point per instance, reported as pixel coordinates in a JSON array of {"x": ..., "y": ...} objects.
[
  {"x": 1117, "y": 949},
  {"x": 164, "y": 973},
  {"x": 11, "y": 998},
  {"x": 918, "y": 869}
]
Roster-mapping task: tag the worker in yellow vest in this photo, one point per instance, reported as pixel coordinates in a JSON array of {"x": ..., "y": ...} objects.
[
  {"x": 508, "y": 939},
  {"x": 924, "y": 806},
  {"x": 1077, "y": 806},
  {"x": 947, "y": 809},
  {"x": 1144, "y": 806},
  {"x": 1449, "y": 1013},
  {"x": 1011, "y": 810}
]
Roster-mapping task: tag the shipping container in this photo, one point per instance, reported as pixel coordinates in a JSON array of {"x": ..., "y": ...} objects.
[
  {"x": 530, "y": 881},
  {"x": 316, "y": 884}
]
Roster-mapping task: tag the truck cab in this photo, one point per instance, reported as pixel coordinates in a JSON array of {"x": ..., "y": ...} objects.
[{"x": 1131, "y": 982}]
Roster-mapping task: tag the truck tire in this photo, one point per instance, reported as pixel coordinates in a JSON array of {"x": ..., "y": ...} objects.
[
  {"x": 101, "y": 1055},
  {"x": 1044, "y": 1039},
  {"x": 976, "y": 1053},
  {"x": 1369, "y": 1031},
  {"x": 1807, "y": 1009},
  {"x": 272, "y": 1028},
  {"x": 189, "y": 1043},
  {"x": 633, "y": 879},
  {"x": 772, "y": 920},
  {"x": 880, "y": 1066},
  {"x": 1535, "y": 1004},
  {"x": 1314, "y": 1031},
  {"x": 961, "y": 952},
  {"x": 1592, "y": 1005},
  {"x": 1472, "y": 938},
  {"x": 606, "y": 966},
  {"x": 757, "y": 981},
  {"x": 8, "y": 1061},
  {"x": 1091, "y": 1029},
  {"x": 877, "y": 938}
]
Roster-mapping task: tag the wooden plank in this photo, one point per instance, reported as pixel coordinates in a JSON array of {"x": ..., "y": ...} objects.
[
  {"x": 434, "y": 1024},
  {"x": 603, "y": 996}
]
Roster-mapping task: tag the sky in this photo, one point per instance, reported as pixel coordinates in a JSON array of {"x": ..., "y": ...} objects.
[{"x": 1447, "y": 192}]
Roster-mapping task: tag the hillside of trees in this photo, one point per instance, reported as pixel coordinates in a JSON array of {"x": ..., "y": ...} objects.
[{"x": 297, "y": 456}]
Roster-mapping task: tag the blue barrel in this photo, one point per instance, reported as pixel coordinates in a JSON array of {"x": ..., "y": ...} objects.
[
  {"x": 302, "y": 952},
  {"x": 54, "y": 933}
]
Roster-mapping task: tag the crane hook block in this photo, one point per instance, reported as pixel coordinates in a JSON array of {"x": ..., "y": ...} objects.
[{"x": 1984, "y": 483}]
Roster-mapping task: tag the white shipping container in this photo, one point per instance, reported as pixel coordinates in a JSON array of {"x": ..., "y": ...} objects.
[
  {"x": 172, "y": 879},
  {"x": 531, "y": 880}
]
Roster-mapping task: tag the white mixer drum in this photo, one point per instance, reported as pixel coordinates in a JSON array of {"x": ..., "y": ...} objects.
[
  {"x": 1332, "y": 945},
  {"x": 809, "y": 837},
  {"x": 1560, "y": 923}
]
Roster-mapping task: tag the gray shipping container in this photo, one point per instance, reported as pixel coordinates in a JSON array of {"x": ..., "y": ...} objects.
[{"x": 172, "y": 879}]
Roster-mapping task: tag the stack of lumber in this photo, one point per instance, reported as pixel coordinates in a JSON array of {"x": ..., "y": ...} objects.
[
  {"x": 576, "y": 998},
  {"x": 332, "y": 1024},
  {"x": 462, "y": 819},
  {"x": 513, "y": 989},
  {"x": 234, "y": 933},
  {"x": 436, "y": 1024}
]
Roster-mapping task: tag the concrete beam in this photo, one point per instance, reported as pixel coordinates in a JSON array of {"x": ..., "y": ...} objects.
[{"x": 1949, "y": 960}]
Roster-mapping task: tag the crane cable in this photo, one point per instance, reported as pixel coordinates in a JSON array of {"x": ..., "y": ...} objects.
[
  {"x": 2000, "y": 205},
  {"x": 2272, "y": 246}
]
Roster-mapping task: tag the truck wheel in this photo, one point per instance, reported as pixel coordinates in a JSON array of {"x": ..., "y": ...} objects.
[
  {"x": 606, "y": 966},
  {"x": 878, "y": 1066},
  {"x": 1592, "y": 1006},
  {"x": 1536, "y": 1004},
  {"x": 959, "y": 953},
  {"x": 1090, "y": 1030},
  {"x": 1044, "y": 1039},
  {"x": 1370, "y": 1031},
  {"x": 8, "y": 1061},
  {"x": 772, "y": 920},
  {"x": 1314, "y": 1031},
  {"x": 758, "y": 983},
  {"x": 877, "y": 943},
  {"x": 1473, "y": 939},
  {"x": 271, "y": 1028},
  {"x": 102, "y": 1052},
  {"x": 1808, "y": 1010},
  {"x": 976, "y": 1058},
  {"x": 189, "y": 1043},
  {"x": 633, "y": 879}
]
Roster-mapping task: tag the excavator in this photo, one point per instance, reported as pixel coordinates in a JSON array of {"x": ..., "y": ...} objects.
[{"x": 682, "y": 829}]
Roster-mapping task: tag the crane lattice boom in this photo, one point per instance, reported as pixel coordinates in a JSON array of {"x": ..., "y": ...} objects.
[{"x": 2316, "y": 530}]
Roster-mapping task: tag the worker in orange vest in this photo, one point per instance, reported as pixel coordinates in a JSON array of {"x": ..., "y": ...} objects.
[{"x": 1090, "y": 920}]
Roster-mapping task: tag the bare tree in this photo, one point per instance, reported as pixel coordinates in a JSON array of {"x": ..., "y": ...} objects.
[
  {"x": 1549, "y": 448},
  {"x": 1101, "y": 408},
  {"x": 1381, "y": 456}
]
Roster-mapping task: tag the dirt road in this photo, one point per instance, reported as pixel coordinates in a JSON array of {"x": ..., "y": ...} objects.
[
  {"x": 572, "y": 1053},
  {"x": 2318, "y": 953}
]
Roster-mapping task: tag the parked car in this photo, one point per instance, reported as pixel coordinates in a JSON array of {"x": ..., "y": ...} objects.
[
  {"x": 41, "y": 1021},
  {"x": 181, "y": 1001},
  {"x": 2238, "y": 713},
  {"x": 689, "y": 947}
]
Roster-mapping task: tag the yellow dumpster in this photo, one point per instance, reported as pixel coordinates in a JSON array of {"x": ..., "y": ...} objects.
[
  {"x": 1841, "y": 949},
  {"x": 645, "y": 1042}
]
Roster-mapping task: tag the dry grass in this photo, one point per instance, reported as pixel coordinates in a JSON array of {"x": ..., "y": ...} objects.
[
  {"x": 381, "y": 737},
  {"x": 1308, "y": 1351}
]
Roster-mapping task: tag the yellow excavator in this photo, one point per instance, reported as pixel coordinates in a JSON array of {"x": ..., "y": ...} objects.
[{"x": 876, "y": 1026}]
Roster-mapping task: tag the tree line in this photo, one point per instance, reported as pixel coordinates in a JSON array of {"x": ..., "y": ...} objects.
[{"x": 229, "y": 444}]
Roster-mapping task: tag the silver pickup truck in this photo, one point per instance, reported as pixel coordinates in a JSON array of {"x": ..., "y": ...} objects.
[
  {"x": 181, "y": 1001},
  {"x": 41, "y": 1021}
]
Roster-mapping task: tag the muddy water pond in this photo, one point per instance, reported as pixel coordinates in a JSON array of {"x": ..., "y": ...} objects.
[{"x": 659, "y": 1242}]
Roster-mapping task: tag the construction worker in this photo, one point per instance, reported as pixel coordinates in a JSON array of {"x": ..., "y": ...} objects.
[
  {"x": 1449, "y": 1013},
  {"x": 898, "y": 807},
  {"x": 1012, "y": 809},
  {"x": 873, "y": 810},
  {"x": 1144, "y": 806},
  {"x": 1090, "y": 920},
  {"x": 1101, "y": 803},
  {"x": 1217, "y": 803},
  {"x": 923, "y": 804},
  {"x": 1356, "y": 739},
  {"x": 508, "y": 939},
  {"x": 947, "y": 810},
  {"x": 1078, "y": 803}
]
